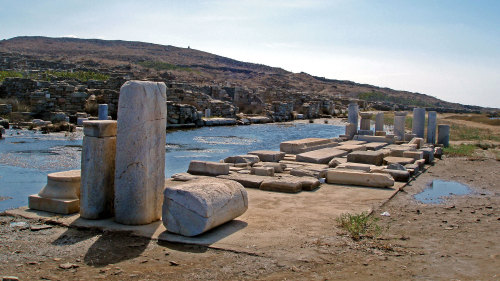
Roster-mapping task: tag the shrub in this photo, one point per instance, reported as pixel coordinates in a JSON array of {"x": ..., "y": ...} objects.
[{"x": 359, "y": 225}]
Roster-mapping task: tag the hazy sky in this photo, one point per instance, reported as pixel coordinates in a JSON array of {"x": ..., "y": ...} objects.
[{"x": 447, "y": 49}]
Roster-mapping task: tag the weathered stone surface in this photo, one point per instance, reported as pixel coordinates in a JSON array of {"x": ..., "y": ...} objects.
[
  {"x": 183, "y": 177},
  {"x": 98, "y": 176},
  {"x": 400, "y": 150},
  {"x": 352, "y": 113},
  {"x": 304, "y": 145},
  {"x": 208, "y": 168},
  {"x": 249, "y": 159},
  {"x": 365, "y": 120},
  {"x": 444, "y": 135},
  {"x": 320, "y": 156},
  {"x": 355, "y": 166},
  {"x": 268, "y": 155},
  {"x": 278, "y": 167},
  {"x": 308, "y": 183},
  {"x": 417, "y": 155},
  {"x": 365, "y": 138},
  {"x": 247, "y": 180},
  {"x": 308, "y": 172},
  {"x": 412, "y": 168},
  {"x": 366, "y": 157},
  {"x": 431, "y": 127},
  {"x": 428, "y": 154},
  {"x": 438, "y": 152},
  {"x": 399, "y": 124},
  {"x": 197, "y": 206},
  {"x": 359, "y": 178},
  {"x": 263, "y": 171},
  {"x": 375, "y": 145},
  {"x": 336, "y": 161},
  {"x": 60, "y": 195},
  {"x": 352, "y": 142},
  {"x": 351, "y": 130},
  {"x": 281, "y": 185},
  {"x": 398, "y": 175},
  {"x": 100, "y": 128},
  {"x": 140, "y": 157},
  {"x": 351, "y": 147},
  {"x": 397, "y": 166},
  {"x": 400, "y": 160},
  {"x": 379, "y": 122},
  {"x": 418, "y": 124},
  {"x": 418, "y": 141}
]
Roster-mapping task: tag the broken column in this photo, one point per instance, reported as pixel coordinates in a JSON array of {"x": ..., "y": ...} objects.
[
  {"x": 98, "y": 169},
  {"x": 208, "y": 113},
  {"x": 103, "y": 112},
  {"x": 353, "y": 111},
  {"x": 444, "y": 135},
  {"x": 140, "y": 152},
  {"x": 418, "y": 124},
  {"x": 60, "y": 195},
  {"x": 365, "y": 124},
  {"x": 379, "y": 122},
  {"x": 431, "y": 127},
  {"x": 399, "y": 124}
]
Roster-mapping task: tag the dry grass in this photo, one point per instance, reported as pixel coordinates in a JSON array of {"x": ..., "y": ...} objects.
[{"x": 478, "y": 118}]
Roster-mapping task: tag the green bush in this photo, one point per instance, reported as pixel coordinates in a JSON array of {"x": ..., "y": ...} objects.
[
  {"x": 359, "y": 225},
  {"x": 5, "y": 74}
]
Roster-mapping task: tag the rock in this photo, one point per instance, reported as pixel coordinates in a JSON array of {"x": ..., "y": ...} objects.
[
  {"x": 250, "y": 181},
  {"x": 398, "y": 175},
  {"x": 268, "y": 155},
  {"x": 400, "y": 160},
  {"x": 308, "y": 183},
  {"x": 60, "y": 195},
  {"x": 320, "y": 156},
  {"x": 418, "y": 141},
  {"x": 98, "y": 169},
  {"x": 208, "y": 168},
  {"x": 10, "y": 278},
  {"x": 140, "y": 157},
  {"x": 183, "y": 177},
  {"x": 412, "y": 168},
  {"x": 351, "y": 147},
  {"x": 336, "y": 161},
  {"x": 248, "y": 159},
  {"x": 398, "y": 151},
  {"x": 263, "y": 171},
  {"x": 308, "y": 172},
  {"x": 304, "y": 145},
  {"x": 438, "y": 152},
  {"x": 397, "y": 166},
  {"x": 375, "y": 145},
  {"x": 366, "y": 157},
  {"x": 428, "y": 154},
  {"x": 278, "y": 167},
  {"x": 355, "y": 166},
  {"x": 68, "y": 265},
  {"x": 417, "y": 155},
  {"x": 39, "y": 227},
  {"x": 420, "y": 163},
  {"x": 281, "y": 185},
  {"x": 359, "y": 178},
  {"x": 197, "y": 206}
]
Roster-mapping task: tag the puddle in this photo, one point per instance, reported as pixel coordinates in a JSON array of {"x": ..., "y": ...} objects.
[{"x": 439, "y": 189}]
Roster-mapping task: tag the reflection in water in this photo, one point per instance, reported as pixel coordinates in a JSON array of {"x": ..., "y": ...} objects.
[{"x": 439, "y": 189}]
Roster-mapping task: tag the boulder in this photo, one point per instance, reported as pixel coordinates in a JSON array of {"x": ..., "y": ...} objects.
[
  {"x": 268, "y": 155},
  {"x": 248, "y": 159},
  {"x": 359, "y": 178},
  {"x": 208, "y": 168},
  {"x": 320, "y": 156},
  {"x": 194, "y": 207},
  {"x": 366, "y": 157}
]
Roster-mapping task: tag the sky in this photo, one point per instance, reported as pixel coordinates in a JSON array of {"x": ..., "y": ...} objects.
[{"x": 449, "y": 49}]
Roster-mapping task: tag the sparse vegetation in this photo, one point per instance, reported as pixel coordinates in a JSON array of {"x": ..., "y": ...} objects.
[
  {"x": 461, "y": 132},
  {"x": 159, "y": 65},
  {"x": 379, "y": 96},
  {"x": 79, "y": 75},
  {"x": 462, "y": 150},
  {"x": 5, "y": 74},
  {"x": 359, "y": 225},
  {"x": 476, "y": 118}
]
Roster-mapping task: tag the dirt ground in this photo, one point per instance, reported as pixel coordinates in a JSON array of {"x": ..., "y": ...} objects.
[{"x": 456, "y": 240}]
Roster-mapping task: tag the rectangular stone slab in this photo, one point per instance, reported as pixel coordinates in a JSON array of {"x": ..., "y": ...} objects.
[
  {"x": 374, "y": 138},
  {"x": 366, "y": 157},
  {"x": 100, "y": 128},
  {"x": 320, "y": 156},
  {"x": 304, "y": 145},
  {"x": 355, "y": 166},
  {"x": 281, "y": 185},
  {"x": 352, "y": 142},
  {"x": 208, "y": 168},
  {"x": 58, "y": 206},
  {"x": 400, "y": 160},
  {"x": 250, "y": 181},
  {"x": 417, "y": 155},
  {"x": 268, "y": 155},
  {"x": 359, "y": 178},
  {"x": 351, "y": 147},
  {"x": 375, "y": 145}
]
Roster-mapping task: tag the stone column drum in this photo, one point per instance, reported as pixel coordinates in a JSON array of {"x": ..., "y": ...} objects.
[
  {"x": 140, "y": 152},
  {"x": 431, "y": 127},
  {"x": 379, "y": 122},
  {"x": 365, "y": 120},
  {"x": 208, "y": 113},
  {"x": 353, "y": 111},
  {"x": 418, "y": 124},
  {"x": 98, "y": 169},
  {"x": 444, "y": 135},
  {"x": 399, "y": 124},
  {"x": 103, "y": 112}
]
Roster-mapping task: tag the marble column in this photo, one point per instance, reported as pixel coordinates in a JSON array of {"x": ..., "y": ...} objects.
[
  {"x": 208, "y": 113},
  {"x": 98, "y": 169},
  {"x": 140, "y": 152},
  {"x": 431, "y": 127},
  {"x": 379, "y": 122},
  {"x": 418, "y": 124},
  {"x": 444, "y": 135},
  {"x": 365, "y": 121},
  {"x": 399, "y": 124},
  {"x": 103, "y": 112},
  {"x": 353, "y": 111}
]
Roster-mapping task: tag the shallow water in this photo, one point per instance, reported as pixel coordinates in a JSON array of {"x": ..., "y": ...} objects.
[
  {"x": 26, "y": 157},
  {"x": 438, "y": 190}
]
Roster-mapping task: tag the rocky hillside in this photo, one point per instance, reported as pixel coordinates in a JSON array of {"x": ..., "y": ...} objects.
[{"x": 153, "y": 61}]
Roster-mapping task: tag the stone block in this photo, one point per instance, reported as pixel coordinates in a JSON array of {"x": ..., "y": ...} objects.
[
  {"x": 400, "y": 160},
  {"x": 409, "y": 137},
  {"x": 418, "y": 141},
  {"x": 308, "y": 183},
  {"x": 249, "y": 159},
  {"x": 336, "y": 161},
  {"x": 268, "y": 155},
  {"x": 365, "y": 133},
  {"x": 278, "y": 167},
  {"x": 304, "y": 145},
  {"x": 398, "y": 175},
  {"x": 100, "y": 128},
  {"x": 428, "y": 154},
  {"x": 375, "y": 145},
  {"x": 380, "y": 133},
  {"x": 418, "y": 123},
  {"x": 417, "y": 155},
  {"x": 140, "y": 157},
  {"x": 400, "y": 150},
  {"x": 438, "y": 152},
  {"x": 359, "y": 178},
  {"x": 374, "y": 139},
  {"x": 355, "y": 166},
  {"x": 208, "y": 168},
  {"x": 352, "y": 142},
  {"x": 397, "y": 166},
  {"x": 281, "y": 185},
  {"x": 351, "y": 130},
  {"x": 247, "y": 180},
  {"x": 444, "y": 135},
  {"x": 103, "y": 112},
  {"x": 320, "y": 156},
  {"x": 79, "y": 121},
  {"x": 420, "y": 163},
  {"x": 412, "y": 168},
  {"x": 54, "y": 205},
  {"x": 351, "y": 147},
  {"x": 366, "y": 157},
  {"x": 263, "y": 171},
  {"x": 193, "y": 208}
]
